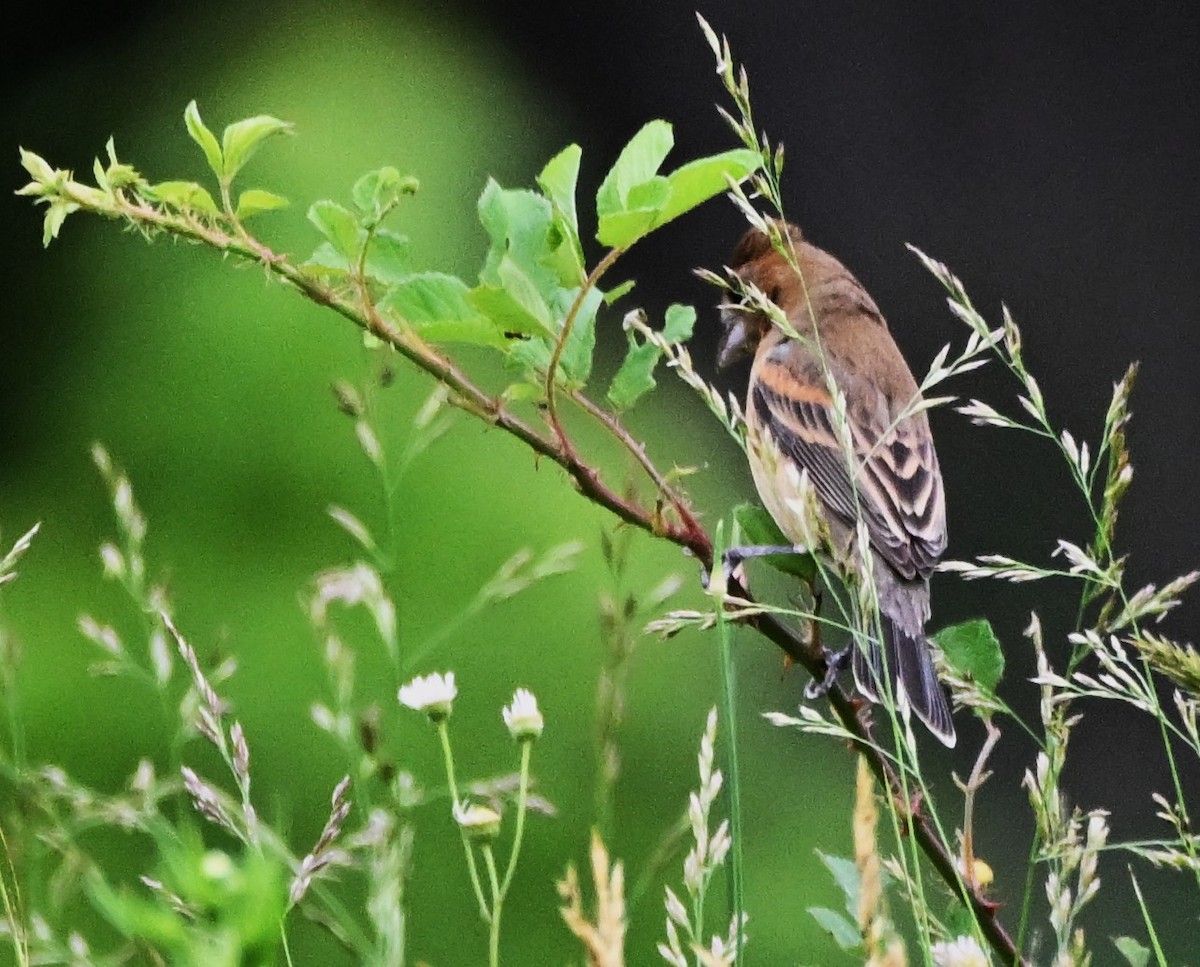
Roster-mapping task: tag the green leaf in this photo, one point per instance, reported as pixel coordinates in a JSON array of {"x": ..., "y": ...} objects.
[
  {"x": 635, "y": 378},
  {"x": 973, "y": 650},
  {"x": 437, "y": 308},
  {"x": 377, "y": 192},
  {"x": 38, "y": 168},
  {"x": 116, "y": 175},
  {"x": 505, "y": 312},
  {"x": 622, "y": 229},
  {"x": 558, "y": 181},
  {"x": 339, "y": 226},
  {"x": 242, "y": 138},
  {"x": 255, "y": 200},
  {"x": 634, "y": 199},
  {"x": 56, "y": 214},
  {"x": 617, "y": 292},
  {"x": 576, "y": 360},
  {"x": 205, "y": 138},
  {"x": 649, "y": 195},
  {"x": 524, "y": 292},
  {"x": 388, "y": 258},
  {"x": 1133, "y": 952},
  {"x": 700, "y": 180},
  {"x": 847, "y": 877},
  {"x": 844, "y": 931},
  {"x": 518, "y": 224},
  {"x": 679, "y": 322},
  {"x": 183, "y": 195},
  {"x": 524, "y": 392},
  {"x": 326, "y": 260},
  {"x": 575, "y": 365},
  {"x": 565, "y": 256},
  {"x": 758, "y": 529},
  {"x": 638, "y": 162}
]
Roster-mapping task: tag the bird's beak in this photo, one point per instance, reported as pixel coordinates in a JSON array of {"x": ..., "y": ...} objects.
[{"x": 733, "y": 343}]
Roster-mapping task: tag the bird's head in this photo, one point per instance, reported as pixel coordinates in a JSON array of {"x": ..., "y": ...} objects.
[{"x": 757, "y": 261}]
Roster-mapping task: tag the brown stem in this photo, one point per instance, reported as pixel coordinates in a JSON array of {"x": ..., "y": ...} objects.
[
  {"x": 638, "y": 450},
  {"x": 561, "y": 343}
]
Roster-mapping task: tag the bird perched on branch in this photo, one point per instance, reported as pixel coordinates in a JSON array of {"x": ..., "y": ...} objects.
[{"x": 886, "y": 474}]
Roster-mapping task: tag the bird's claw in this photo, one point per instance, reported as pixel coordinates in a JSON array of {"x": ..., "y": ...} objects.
[{"x": 835, "y": 661}]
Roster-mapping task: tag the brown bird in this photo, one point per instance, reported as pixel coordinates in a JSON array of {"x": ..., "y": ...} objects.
[{"x": 896, "y": 487}]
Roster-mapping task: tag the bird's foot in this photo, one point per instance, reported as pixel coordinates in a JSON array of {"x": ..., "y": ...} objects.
[
  {"x": 733, "y": 557},
  {"x": 835, "y": 661}
]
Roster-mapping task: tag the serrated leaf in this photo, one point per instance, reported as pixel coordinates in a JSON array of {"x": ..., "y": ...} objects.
[
  {"x": 430, "y": 296},
  {"x": 758, "y": 529},
  {"x": 1134, "y": 953},
  {"x": 506, "y": 313},
  {"x": 524, "y": 292},
  {"x": 972, "y": 648},
  {"x": 242, "y": 138},
  {"x": 255, "y": 200},
  {"x": 679, "y": 322},
  {"x": 533, "y": 355},
  {"x": 436, "y": 306},
  {"x": 638, "y": 162},
  {"x": 517, "y": 222},
  {"x": 635, "y": 377},
  {"x": 388, "y": 258},
  {"x": 326, "y": 260},
  {"x": 844, "y": 931},
  {"x": 183, "y": 195},
  {"x": 697, "y": 181},
  {"x": 205, "y": 138},
  {"x": 379, "y": 191},
  {"x": 339, "y": 226}
]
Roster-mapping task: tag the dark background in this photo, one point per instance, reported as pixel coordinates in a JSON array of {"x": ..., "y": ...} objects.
[{"x": 1049, "y": 153}]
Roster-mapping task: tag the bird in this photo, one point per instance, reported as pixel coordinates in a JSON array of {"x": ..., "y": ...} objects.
[{"x": 840, "y": 339}]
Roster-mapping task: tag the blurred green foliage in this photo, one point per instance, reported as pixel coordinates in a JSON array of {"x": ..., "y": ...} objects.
[{"x": 212, "y": 389}]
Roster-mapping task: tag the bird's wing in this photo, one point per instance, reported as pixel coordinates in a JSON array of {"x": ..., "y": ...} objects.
[{"x": 897, "y": 489}]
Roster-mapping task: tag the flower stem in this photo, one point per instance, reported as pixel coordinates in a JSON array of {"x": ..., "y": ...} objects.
[
  {"x": 472, "y": 868},
  {"x": 489, "y": 859},
  {"x": 522, "y": 808}
]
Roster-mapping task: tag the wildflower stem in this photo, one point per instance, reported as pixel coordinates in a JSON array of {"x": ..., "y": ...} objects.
[
  {"x": 489, "y": 859},
  {"x": 518, "y": 835},
  {"x": 472, "y": 868}
]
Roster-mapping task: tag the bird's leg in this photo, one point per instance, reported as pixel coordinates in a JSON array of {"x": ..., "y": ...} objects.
[
  {"x": 734, "y": 556},
  {"x": 835, "y": 661}
]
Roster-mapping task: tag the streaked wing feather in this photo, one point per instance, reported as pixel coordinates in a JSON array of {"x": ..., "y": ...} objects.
[{"x": 898, "y": 486}]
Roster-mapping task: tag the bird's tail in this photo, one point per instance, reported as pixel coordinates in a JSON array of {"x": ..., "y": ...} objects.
[{"x": 906, "y": 663}]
